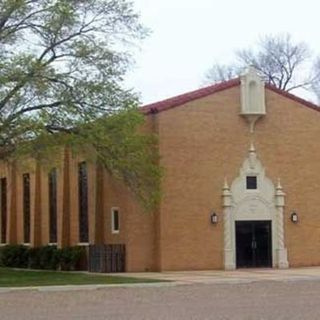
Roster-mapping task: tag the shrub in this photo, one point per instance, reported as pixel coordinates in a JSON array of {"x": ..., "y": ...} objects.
[
  {"x": 1, "y": 263},
  {"x": 70, "y": 257},
  {"x": 15, "y": 256},
  {"x": 50, "y": 257},
  {"x": 34, "y": 258},
  {"x": 46, "y": 257}
]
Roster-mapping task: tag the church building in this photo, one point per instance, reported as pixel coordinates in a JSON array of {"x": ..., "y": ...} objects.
[{"x": 241, "y": 187}]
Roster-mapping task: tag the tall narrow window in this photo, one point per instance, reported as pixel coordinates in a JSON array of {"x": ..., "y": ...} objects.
[
  {"x": 3, "y": 199},
  {"x": 53, "y": 205},
  {"x": 83, "y": 202},
  {"x": 26, "y": 207},
  {"x": 115, "y": 221}
]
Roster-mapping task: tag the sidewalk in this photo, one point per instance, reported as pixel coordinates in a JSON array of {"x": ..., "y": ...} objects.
[
  {"x": 237, "y": 276},
  {"x": 177, "y": 278}
]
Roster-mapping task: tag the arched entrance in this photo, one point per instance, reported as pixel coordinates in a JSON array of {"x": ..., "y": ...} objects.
[{"x": 253, "y": 219}]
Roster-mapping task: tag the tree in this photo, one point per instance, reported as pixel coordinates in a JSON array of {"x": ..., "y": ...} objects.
[
  {"x": 279, "y": 60},
  {"x": 316, "y": 82},
  {"x": 221, "y": 72},
  {"x": 62, "y": 65}
]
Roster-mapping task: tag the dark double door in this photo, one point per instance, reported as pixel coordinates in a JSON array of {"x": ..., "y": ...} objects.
[{"x": 253, "y": 244}]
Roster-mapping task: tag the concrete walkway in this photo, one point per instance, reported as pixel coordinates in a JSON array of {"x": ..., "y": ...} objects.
[
  {"x": 237, "y": 276},
  {"x": 177, "y": 278}
]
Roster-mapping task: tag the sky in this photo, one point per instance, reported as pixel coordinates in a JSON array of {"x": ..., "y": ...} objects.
[{"x": 188, "y": 36}]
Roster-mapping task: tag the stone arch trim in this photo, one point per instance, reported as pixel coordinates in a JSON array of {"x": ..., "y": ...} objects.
[{"x": 265, "y": 203}]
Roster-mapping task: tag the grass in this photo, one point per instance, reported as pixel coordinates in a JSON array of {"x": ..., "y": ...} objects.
[{"x": 26, "y": 278}]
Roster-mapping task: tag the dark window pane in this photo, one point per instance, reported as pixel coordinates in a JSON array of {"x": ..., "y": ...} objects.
[
  {"x": 26, "y": 207},
  {"x": 3, "y": 194},
  {"x": 53, "y": 206},
  {"x": 83, "y": 202},
  {"x": 251, "y": 182},
  {"x": 115, "y": 226}
]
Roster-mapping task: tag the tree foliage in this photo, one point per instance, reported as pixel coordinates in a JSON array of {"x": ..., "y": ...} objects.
[
  {"x": 62, "y": 64},
  {"x": 280, "y": 61}
]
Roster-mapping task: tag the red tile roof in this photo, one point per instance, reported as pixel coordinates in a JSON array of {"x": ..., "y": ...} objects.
[
  {"x": 291, "y": 96},
  {"x": 203, "y": 92},
  {"x": 189, "y": 96}
]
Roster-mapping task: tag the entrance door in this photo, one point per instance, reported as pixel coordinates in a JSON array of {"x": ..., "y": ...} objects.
[{"x": 253, "y": 244}]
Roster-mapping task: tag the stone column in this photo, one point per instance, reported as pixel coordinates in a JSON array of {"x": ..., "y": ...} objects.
[
  {"x": 229, "y": 262},
  {"x": 281, "y": 250}
]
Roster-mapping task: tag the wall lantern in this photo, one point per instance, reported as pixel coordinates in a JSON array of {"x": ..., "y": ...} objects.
[
  {"x": 214, "y": 218},
  {"x": 294, "y": 217}
]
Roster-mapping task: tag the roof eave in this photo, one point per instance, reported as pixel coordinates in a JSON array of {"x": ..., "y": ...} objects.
[{"x": 204, "y": 92}]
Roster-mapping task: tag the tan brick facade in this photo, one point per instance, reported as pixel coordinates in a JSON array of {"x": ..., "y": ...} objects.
[
  {"x": 201, "y": 142},
  {"x": 206, "y": 140},
  {"x": 104, "y": 193}
]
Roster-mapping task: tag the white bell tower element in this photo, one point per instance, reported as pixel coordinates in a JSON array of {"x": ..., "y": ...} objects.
[{"x": 252, "y": 97}]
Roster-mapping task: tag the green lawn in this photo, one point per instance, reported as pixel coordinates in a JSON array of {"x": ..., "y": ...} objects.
[{"x": 25, "y": 278}]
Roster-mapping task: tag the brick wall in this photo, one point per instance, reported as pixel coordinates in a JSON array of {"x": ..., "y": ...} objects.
[
  {"x": 136, "y": 226},
  {"x": 206, "y": 140},
  {"x": 200, "y": 144}
]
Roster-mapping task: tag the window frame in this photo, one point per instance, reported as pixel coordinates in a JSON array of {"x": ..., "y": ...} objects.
[{"x": 113, "y": 229}]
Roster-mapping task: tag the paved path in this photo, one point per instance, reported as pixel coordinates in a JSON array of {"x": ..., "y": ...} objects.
[{"x": 237, "y": 276}]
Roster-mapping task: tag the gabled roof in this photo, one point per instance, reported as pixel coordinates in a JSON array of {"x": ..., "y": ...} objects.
[
  {"x": 189, "y": 96},
  {"x": 203, "y": 92},
  {"x": 293, "y": 97}
]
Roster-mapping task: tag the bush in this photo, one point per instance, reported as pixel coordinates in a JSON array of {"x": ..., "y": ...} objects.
[
  {"x": 70, "y": 257},
  {"x": 15, "y": 256},
  {"x": 50, "y": 258},
  {"x": 46, "y": 257},
  {"x": 34, "y": 258},
  {"x": 1, "y": 263}
]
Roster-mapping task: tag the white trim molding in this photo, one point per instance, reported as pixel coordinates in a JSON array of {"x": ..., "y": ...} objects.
[{"x": 264, "y": 203}]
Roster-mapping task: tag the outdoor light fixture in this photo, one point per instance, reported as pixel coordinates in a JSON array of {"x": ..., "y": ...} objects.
[
  {"x": 294, "y": 217},
  {"x": 214, "y": 218}
]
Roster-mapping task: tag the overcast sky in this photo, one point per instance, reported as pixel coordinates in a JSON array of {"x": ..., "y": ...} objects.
[{"x": 188, "y": 36}]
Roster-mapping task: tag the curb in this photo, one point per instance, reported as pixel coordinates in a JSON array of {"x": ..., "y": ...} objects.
[{"x": 88, "y": 287}]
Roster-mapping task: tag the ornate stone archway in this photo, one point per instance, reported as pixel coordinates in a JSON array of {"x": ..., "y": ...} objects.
[{"x": 266, "y": 202}]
